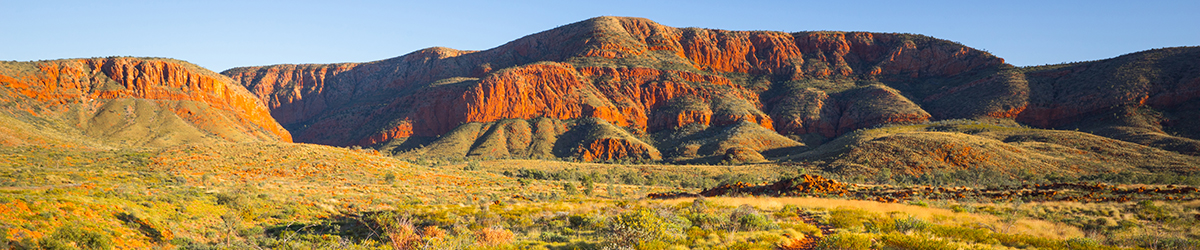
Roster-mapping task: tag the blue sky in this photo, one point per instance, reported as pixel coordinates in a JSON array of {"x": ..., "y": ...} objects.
[{"x": 223, "y": 34}]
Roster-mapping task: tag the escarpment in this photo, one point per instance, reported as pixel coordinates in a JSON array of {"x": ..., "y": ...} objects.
[
  {"x": 650, "y": 81},
  {"x": 121, "y": 101}
]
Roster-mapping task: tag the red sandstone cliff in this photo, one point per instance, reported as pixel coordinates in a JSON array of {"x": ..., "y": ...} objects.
[{"x": 83, "y": 92}]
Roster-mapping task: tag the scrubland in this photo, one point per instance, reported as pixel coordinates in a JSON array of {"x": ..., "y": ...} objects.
[{"x": 301, "y": 196}]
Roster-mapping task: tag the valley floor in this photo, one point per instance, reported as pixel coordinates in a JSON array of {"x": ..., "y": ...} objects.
[{"x": 302, "y": 196}]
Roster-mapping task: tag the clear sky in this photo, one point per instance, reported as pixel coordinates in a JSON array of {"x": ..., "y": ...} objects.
[{"x": 223, "y": 34}]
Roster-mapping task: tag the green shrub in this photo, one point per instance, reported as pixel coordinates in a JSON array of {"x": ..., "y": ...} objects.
[
  {"x": 788, "y": 210},
  {"x": 85, "y": 239},
  {"x": 749, "y": 219},
  {"x": 1083, "y": 243},
  {"x": 848, "y": 218},
  {"x": 553, "y": 237},
  {"x": 644, "y": 225},
  {"x": 802, "y": 227},
  {"x": 580, "y": 221},
  {"x": 1160, "y": 242},
  {"x": 569, "y": 188},
  {"x": 588, "y": 185},
  {"x": 532, "y": 174},
  {"x": 473, "y": 166},
  {"x": 845, "y": 241},
  {"x": 708, "y": 221},
  {"x": 903, "y": 241},
  {"x": 910, "y": 223},
  {"x": 1147, "y": 210}
]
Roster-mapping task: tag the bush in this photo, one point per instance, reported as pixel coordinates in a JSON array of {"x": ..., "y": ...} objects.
[
  {"x": 1083, "y": 243},
  {"x": 845, "y": 241},
  {"x": 588, "y": 185},
  {"x": 749, "y": 219},
  {"x": 802, "y": 227},
  {"x": 85, "y": 239},
  {"x": 473, "y": 166},
  {"x": 847, "y": 218},
  {"x": 708, "y": 221},
  {"x": 756, "y": 222},
  {"x": 553, "y": 237},
  {"x": 235, "y": 200},
  {"x": 569, "y": 188},
  {"x": 903, "y": 241},
  {"x": 532, "y": 174},
  {"x": 644, "y": 225},
  {"x": 905, "y": 225},
  {"x": 584, "y": 222}
]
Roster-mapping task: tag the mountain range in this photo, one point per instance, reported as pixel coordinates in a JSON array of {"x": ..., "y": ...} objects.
[
  {"x": 608, "y": 133},
  {"x": 617, "y": 89}
]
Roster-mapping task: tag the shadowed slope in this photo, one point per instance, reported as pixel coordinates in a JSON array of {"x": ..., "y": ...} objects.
[
  {"x": 1149, "y": 97},
  {"x": 983, "y": 148}
]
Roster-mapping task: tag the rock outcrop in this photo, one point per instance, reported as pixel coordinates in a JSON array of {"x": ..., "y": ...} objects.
[{"x": 136, "y": 101}]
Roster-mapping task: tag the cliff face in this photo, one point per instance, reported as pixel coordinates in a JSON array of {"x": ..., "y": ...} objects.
[
  {"x": 795, "y": 55},
  {"x": 295, "y": 82},
  {"x": 136, "y": 101},
  {"x": 631, "y": 73}
]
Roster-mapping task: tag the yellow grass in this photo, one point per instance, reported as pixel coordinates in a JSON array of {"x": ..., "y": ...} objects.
[{"x": 1038, "y": 228}]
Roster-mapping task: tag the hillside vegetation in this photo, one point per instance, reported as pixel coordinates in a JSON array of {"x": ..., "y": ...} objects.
[{"x": 1147, "y": 98}]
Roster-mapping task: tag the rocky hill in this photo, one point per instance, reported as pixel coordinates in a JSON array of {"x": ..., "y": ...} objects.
[
  {"x": 1136, "y": 109},
  {"x": 122, "y": 102},
  {"x": 650, "y": 80},
  {"x": 1149, "y": 97}
]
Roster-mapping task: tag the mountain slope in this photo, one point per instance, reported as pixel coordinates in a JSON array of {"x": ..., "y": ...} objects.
[
  {"x": 121, "y": 102},
  {"x": 1149, "y": 97},
  {"x": 642, "y": 76},
  {"x": 989, "y": 150}
]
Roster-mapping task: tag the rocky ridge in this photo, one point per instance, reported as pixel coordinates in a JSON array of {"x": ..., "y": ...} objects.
[{"x": 634, "y": 74}]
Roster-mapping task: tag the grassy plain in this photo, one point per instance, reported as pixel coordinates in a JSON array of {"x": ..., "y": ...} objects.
[{"x": 302, "y": 196}]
